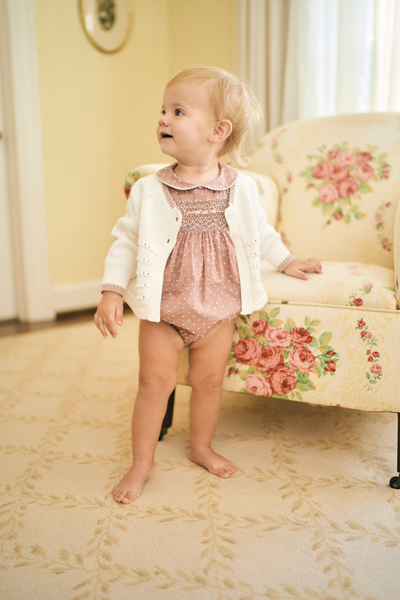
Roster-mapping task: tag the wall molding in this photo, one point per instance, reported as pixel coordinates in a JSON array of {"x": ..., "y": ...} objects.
[{"x": 76, "y": 296}]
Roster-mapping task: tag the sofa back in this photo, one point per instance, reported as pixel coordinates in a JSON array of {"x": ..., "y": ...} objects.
[{"x": 339, "y": 185}]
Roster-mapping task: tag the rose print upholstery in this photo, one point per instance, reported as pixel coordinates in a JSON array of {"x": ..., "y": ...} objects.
[
  {"x": 331, "y": 187},
  {"x": 338, "y": 184}
]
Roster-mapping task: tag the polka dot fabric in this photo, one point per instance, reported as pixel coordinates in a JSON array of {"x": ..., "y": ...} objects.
[{"x": 201, "y": 280}]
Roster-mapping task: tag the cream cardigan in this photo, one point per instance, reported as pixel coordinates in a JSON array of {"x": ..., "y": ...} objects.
[{"x": 146, "y": 235}]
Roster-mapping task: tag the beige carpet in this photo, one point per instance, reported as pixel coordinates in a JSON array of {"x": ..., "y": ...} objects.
[{"x": 308, "y": 515}]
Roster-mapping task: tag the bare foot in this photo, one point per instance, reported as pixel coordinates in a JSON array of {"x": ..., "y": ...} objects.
[
  {"x": 130, "y": 486},
  {"x": 213, "y": 462}
]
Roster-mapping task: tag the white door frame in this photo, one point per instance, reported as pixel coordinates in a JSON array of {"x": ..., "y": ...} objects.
[{"x": 23, "y": 139}]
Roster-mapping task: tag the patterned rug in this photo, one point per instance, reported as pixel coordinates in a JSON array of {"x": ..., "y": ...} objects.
[{"x": 308, "y": 515}]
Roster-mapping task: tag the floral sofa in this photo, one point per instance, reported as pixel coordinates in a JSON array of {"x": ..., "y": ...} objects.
[{"x": 331, "y": 187}]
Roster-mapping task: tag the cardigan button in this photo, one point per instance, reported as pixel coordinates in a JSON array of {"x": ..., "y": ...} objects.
[{"x": 167, "y": 241}]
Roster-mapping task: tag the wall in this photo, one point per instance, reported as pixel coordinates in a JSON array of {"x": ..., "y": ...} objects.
[
  {"x": 99, "y": 114},
  {"x": 201, "y": 34}
]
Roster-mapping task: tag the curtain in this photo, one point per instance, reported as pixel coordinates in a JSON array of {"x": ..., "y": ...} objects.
[
  {"x": 261, "y": 28},
  {"x": 313, "y": 58}
]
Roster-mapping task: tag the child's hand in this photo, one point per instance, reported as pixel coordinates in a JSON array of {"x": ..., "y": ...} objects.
[
  {"x": 109, "y": 313},
  {"x": 298, "y": 266}
]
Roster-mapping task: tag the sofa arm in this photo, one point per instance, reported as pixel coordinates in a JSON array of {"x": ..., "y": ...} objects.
[
  {"x": 396, "y": 247},
  {"x": 142, "y": 171}
]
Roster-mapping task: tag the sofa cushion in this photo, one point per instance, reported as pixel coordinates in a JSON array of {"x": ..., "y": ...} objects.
[{"x": 352, "y": 285}]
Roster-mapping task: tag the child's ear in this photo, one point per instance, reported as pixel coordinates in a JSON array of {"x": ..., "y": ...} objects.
[{"x": 221, "y": 131}]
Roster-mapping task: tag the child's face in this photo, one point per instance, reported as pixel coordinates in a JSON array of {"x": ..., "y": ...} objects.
[{"x": 186, "y": 123}]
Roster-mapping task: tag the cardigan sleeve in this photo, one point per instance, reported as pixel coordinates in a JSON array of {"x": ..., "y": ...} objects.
[
  {"x": 121, "y": 261},
  {"x": 272, "y": 249}
]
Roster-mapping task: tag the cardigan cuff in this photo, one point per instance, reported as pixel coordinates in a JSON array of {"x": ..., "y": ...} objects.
[
  {"x": 110, "y": 287},
  {"x": 278, "y": 255},
  {"x": 285, "y": 263},
  {"x": 116, "y": 276}
]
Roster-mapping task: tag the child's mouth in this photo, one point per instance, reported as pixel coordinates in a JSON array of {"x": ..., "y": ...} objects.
[{"x": 166, "y": 135}]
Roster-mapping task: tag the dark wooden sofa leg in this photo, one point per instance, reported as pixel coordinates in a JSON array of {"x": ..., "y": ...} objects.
[
  {"x": 168, "y": 416},
  {"x": 395, "y": 481}
]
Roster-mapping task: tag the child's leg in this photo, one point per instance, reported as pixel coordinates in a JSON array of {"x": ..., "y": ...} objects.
[
  {"x": 207, "y": 361},
  {"x": 159, "y": 347}
]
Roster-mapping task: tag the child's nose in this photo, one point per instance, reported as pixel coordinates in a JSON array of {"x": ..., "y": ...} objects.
[{"x": 163, "y": 120}]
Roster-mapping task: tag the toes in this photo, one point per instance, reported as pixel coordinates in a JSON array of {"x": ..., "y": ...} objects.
[
  {"x": 226, "y": 471},
  {"x": 129, "y": 496},
  {"x": 124, "y": 496},
  {"x": 118, "y": 494}
]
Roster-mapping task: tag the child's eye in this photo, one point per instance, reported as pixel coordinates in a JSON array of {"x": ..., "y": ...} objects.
[
  {"x": 178, "y": 112},
  {"x": 162, "y": 112}
]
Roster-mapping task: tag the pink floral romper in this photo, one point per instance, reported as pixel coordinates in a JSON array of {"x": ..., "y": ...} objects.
[{"x": 201, "y": 279}]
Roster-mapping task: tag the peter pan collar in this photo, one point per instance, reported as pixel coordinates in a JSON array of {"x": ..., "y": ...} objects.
[{"x": 224, "y": 181}]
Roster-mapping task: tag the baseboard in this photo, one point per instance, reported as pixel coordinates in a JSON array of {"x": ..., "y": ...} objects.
[{"x": 76, "y": 296}]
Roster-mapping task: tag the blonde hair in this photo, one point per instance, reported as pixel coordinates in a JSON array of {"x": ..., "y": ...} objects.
[{"x": 230, "y": 99}]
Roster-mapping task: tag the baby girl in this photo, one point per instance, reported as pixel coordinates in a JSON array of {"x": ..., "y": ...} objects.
[{"x": 186, "y": 259}]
